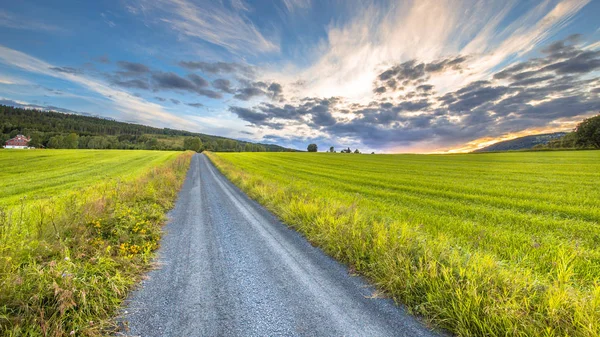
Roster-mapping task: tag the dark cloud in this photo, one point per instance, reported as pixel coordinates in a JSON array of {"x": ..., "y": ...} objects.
[
  {"x": 198, "y": 81},
  {"x": 275, "y": 88},
  {"x": 132, "y": 84},
  {"x": 172, "y": 81},
  {"x": 223, "y": 85},
  {"x": 67, "y": 70},
  {"x": 195, "y": 105},
  {"x": 132, "y": 68},
  {"x": 175, "y": 101},
  {"x": 246, "y": 94},
  {"x": 251, "y": 89},
  {"x": 249, "y": 115},
  {"x": 218, "y": 67},
  {"x": 160, "y": 98}
]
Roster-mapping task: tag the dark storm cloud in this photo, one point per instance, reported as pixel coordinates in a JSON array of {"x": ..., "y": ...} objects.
[
  {"x": 67, "y": 70},
  {"x": 132, "y": 68}
]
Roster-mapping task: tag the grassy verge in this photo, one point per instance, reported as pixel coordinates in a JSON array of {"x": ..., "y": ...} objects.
[
  {"x": 67, "y": 262},
  {"x": 480, "y": 245}
]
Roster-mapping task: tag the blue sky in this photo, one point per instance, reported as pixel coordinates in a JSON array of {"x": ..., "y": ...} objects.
[{"x": 388, "y": 76}]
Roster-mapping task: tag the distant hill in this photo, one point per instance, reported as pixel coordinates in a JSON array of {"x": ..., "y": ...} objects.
[
  {"x": 49, "y": 128},
  {"x": 522, "y": 143}
]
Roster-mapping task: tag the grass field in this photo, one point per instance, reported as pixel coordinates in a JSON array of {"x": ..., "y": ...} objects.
[
  {"x": 77, "y": 229},
  {"x": 504, "y": 244}
]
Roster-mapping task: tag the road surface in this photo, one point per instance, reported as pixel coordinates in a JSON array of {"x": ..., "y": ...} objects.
[{"x": 230, "y": 268}]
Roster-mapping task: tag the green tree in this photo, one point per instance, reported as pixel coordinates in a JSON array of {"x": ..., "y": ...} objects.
[
  {"x": 55, "y": 142},
  {"x": 588, "y": 132},
  {"x": 356, "y": 151},
  {"x": 193, "y": 144},
  {"x": 312, "y": 148},
  {"x": 71, "y": 141},
  {"x": 331, "y": 149}
]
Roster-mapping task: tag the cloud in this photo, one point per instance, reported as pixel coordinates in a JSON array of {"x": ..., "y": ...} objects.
[
  {"x": 213, "y": 22},
  {"x": 129, "y": 105},
  {"x": 250, "y": 90},
  {"x": 223, "y": 85},
  {"x": 219, "y": 68},
  {"x": 198, "y": 81},
  {"x": 195, "y": 105},
  {"x": 160, "y": 99},
  {"x": 133, "y": 68},
  {"x": 488, "y": 33},
  {"x": 175, "y": 101},
  {"x": 67, "y": 70},
  {"x": 293, "y": 5},
  {"x": 532, "y": 94},
  {"x": 131, "y": 84},
  {"x": 172, "y": 81},
  {"x": 14, "y": 21}
]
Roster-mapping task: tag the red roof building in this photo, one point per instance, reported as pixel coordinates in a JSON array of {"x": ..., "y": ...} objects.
[{"x": 19, "y": 142}]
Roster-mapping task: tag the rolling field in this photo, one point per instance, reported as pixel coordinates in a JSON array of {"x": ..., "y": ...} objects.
[
  {"x": 77, "y": 230},
  {"x": 504, "y": 244}
]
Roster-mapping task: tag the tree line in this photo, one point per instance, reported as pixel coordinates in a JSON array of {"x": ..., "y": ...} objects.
[
  {"x": 585, "y": 136},
  {"x": 49, "y": 129},
  {"x": 314, "y": 148}
]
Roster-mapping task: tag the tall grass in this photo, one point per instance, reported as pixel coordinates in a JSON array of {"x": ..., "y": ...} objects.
[
  {"x": 68, "y": 261},
  {"x": 480, "y": 245}
]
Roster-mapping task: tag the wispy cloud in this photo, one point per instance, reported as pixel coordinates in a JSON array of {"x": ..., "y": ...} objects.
[
  {"x": 11, "y": 20},
  {"x": 130, "y": 105},
  {"x": 212, "y": 22},
  {"x": 426, "y": 30}
]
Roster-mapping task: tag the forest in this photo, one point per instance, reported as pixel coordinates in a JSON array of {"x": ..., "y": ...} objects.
[{"x": 49, "y": 129}]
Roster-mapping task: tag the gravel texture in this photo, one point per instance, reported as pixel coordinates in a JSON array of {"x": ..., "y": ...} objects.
[{"x": 227, "y": 267}]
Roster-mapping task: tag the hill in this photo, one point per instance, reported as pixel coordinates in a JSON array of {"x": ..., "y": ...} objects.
[
  {"x": 50, "y": 129},
  {"x": 522, "y": 143}
]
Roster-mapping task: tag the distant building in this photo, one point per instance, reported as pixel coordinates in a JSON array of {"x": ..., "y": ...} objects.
[{"x": 19, "y": 142}]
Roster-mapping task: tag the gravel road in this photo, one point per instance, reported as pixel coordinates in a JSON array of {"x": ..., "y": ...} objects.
[{"x": 229, "y": 268}]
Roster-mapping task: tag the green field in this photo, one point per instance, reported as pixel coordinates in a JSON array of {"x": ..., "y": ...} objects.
[
  {"x": 47, "y": 173},
  {"x": 504, "y": 244},
  {"x": 77, "y": 230}
]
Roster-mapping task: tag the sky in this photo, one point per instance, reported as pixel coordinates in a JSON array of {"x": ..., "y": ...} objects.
[{"x": 420, "y": 76}]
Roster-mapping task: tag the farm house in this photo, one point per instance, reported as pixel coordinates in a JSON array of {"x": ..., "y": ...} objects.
[{"x": 19, "y": 142}]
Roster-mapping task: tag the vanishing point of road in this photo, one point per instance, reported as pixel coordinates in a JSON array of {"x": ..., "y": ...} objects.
[{"x": 227, "y": 267}]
